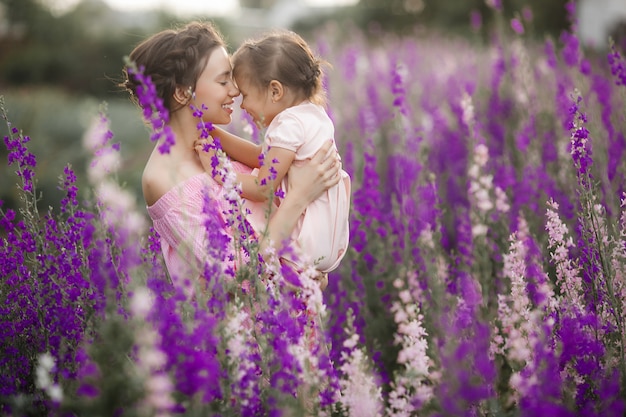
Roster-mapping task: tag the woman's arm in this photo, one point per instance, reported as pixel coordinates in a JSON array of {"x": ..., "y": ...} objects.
[{"x": 307, "y": 182}]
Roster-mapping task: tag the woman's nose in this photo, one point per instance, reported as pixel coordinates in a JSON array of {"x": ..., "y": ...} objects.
[{"x": 234, "y": 92}]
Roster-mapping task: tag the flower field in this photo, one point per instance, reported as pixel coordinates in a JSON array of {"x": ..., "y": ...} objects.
[{"x": 486, "y": 274}]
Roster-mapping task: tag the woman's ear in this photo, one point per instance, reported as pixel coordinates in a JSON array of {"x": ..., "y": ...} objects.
[
  {"x": 276, "y": 90},
  {"x": 182, "y": 95}
]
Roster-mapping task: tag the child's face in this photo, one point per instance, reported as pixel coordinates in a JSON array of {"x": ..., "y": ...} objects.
[
  {"x": 256, "y": 102},
  {"x": 216, "y": 89}
]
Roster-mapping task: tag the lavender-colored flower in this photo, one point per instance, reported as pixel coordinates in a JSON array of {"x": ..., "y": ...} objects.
[
  {"x": 153, "y": 110},
  {"x": 469, "y": 371},
  {"x": 550, "y": 53},
  {"x": 527, "y": 13},
  {"x": 18, "y": 152},
  {"x": 580, "y": 146},
  {"x": 50, "y": 281},
  {"x": 517, "y": 26},
  {"x": 476, "y": 20},
  {"x": 617, "y": 64},
  {"x": 398, "y": 88},
  {"x": 571, "y": 51}
]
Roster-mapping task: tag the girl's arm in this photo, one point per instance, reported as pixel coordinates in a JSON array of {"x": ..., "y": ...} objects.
[
  {"x": 260, "y": 187},
  {"x": 253, "y": 187},
  {"x": 237, "y": 148}
]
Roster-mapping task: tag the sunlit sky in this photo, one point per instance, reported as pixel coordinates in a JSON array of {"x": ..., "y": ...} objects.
[{"x": 183, "y": 7}]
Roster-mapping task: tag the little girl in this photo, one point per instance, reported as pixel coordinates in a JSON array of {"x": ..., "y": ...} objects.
[{"x": 280, "y": 82}]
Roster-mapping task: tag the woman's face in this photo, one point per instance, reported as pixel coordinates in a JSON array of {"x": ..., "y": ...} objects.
[{"x": 215, "y": 89}]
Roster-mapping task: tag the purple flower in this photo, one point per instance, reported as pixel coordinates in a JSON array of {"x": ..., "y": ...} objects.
[
  {"x": 571, "y": 50},
  {"x": 398, "y": 88},
  {"x": 18, "y": 152},
  {"x": 580, "y": 145},
  {"x": 476, "y": 20},
  {"x": 617, "y": 64},
  {"x": 517, "y": 26},
  {"x": 153, "y": 110},
  {"x": 527, "y": 14}
]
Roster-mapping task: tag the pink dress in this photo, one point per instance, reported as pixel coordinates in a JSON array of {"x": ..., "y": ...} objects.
[
  {"x": 179, "y": 217},
  {"x": 322, "y": 233}
]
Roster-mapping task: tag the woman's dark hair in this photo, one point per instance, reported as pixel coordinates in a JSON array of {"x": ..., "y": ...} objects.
[
  {"x": 172, "y": 58},
  {"x": 285, "y": 57}
]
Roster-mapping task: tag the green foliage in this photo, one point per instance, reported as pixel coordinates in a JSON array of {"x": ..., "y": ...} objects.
[
  {"x": 451, "y": 17},
  {"x": 56, "y": 122},
  {"x": 80, "y": 51}
]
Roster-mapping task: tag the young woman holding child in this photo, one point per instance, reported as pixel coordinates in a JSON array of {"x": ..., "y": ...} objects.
[
  {"x": 191, "y": 66},
  {"x": 280, "y": 80}
]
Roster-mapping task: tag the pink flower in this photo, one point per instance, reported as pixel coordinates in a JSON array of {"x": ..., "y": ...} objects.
[
  {"x": 517, "y": 26},
  {"x": 567, "y": 270}
]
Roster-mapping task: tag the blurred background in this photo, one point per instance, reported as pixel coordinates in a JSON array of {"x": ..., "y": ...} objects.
[{"x": 60, "y": 60}]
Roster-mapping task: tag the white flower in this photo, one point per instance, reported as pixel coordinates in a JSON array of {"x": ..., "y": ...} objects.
[
  {"x": 479, "y": 230},
  {"x": 46, "y": 361},
  {"x": 45, "y": 365},
  {"x": 141, "y": 302},
  {"x": 56, "y": 393},
  {"x": 502, "y": 203},
  {"x": 361, "y": 396},
  {"x": 481, "y": 154},
  {"x": 103, "y": 165},
  {"x": 468, "y": 109}
]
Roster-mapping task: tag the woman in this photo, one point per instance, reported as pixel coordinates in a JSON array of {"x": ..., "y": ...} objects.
[{"x": 190, "y": 67}]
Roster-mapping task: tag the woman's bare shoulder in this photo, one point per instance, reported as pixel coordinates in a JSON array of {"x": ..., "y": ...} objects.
[
  {"x": 156, "y": 180},
  {"x": 163, "y": 173}
]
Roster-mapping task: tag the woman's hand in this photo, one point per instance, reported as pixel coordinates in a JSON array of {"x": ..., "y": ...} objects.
[
  {"x": 205, "y": 148},
  {"x": 309, "y": 179}
]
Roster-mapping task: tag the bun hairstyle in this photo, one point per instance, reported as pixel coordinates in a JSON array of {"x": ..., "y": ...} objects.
[
  {"x": 173, "y": 58},
  {"x": 285, "y": 57}
]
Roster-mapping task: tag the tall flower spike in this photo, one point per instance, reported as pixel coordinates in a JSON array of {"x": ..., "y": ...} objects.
[
  {"x": 153, "y": 110},
  {"x": 360, "y": 394},
  {"x": 18, "y": 152},
  {"x": 618, "y": 65},
  {"x": 412, "y": 385},
  {"x": 580, "y": 142},
  {"x": 567, "y": 270}
]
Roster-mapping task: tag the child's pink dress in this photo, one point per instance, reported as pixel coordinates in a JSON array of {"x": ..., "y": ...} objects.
[{"x": 322, "y": 233}]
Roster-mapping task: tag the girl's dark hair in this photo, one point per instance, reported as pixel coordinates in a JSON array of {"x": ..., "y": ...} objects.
[
  {"x": 173, "y": 57},
  {"x": 285, "y": 57}
]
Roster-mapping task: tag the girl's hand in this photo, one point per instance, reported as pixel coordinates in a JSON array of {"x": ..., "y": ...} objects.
[{"x": 309, "y": 179}]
